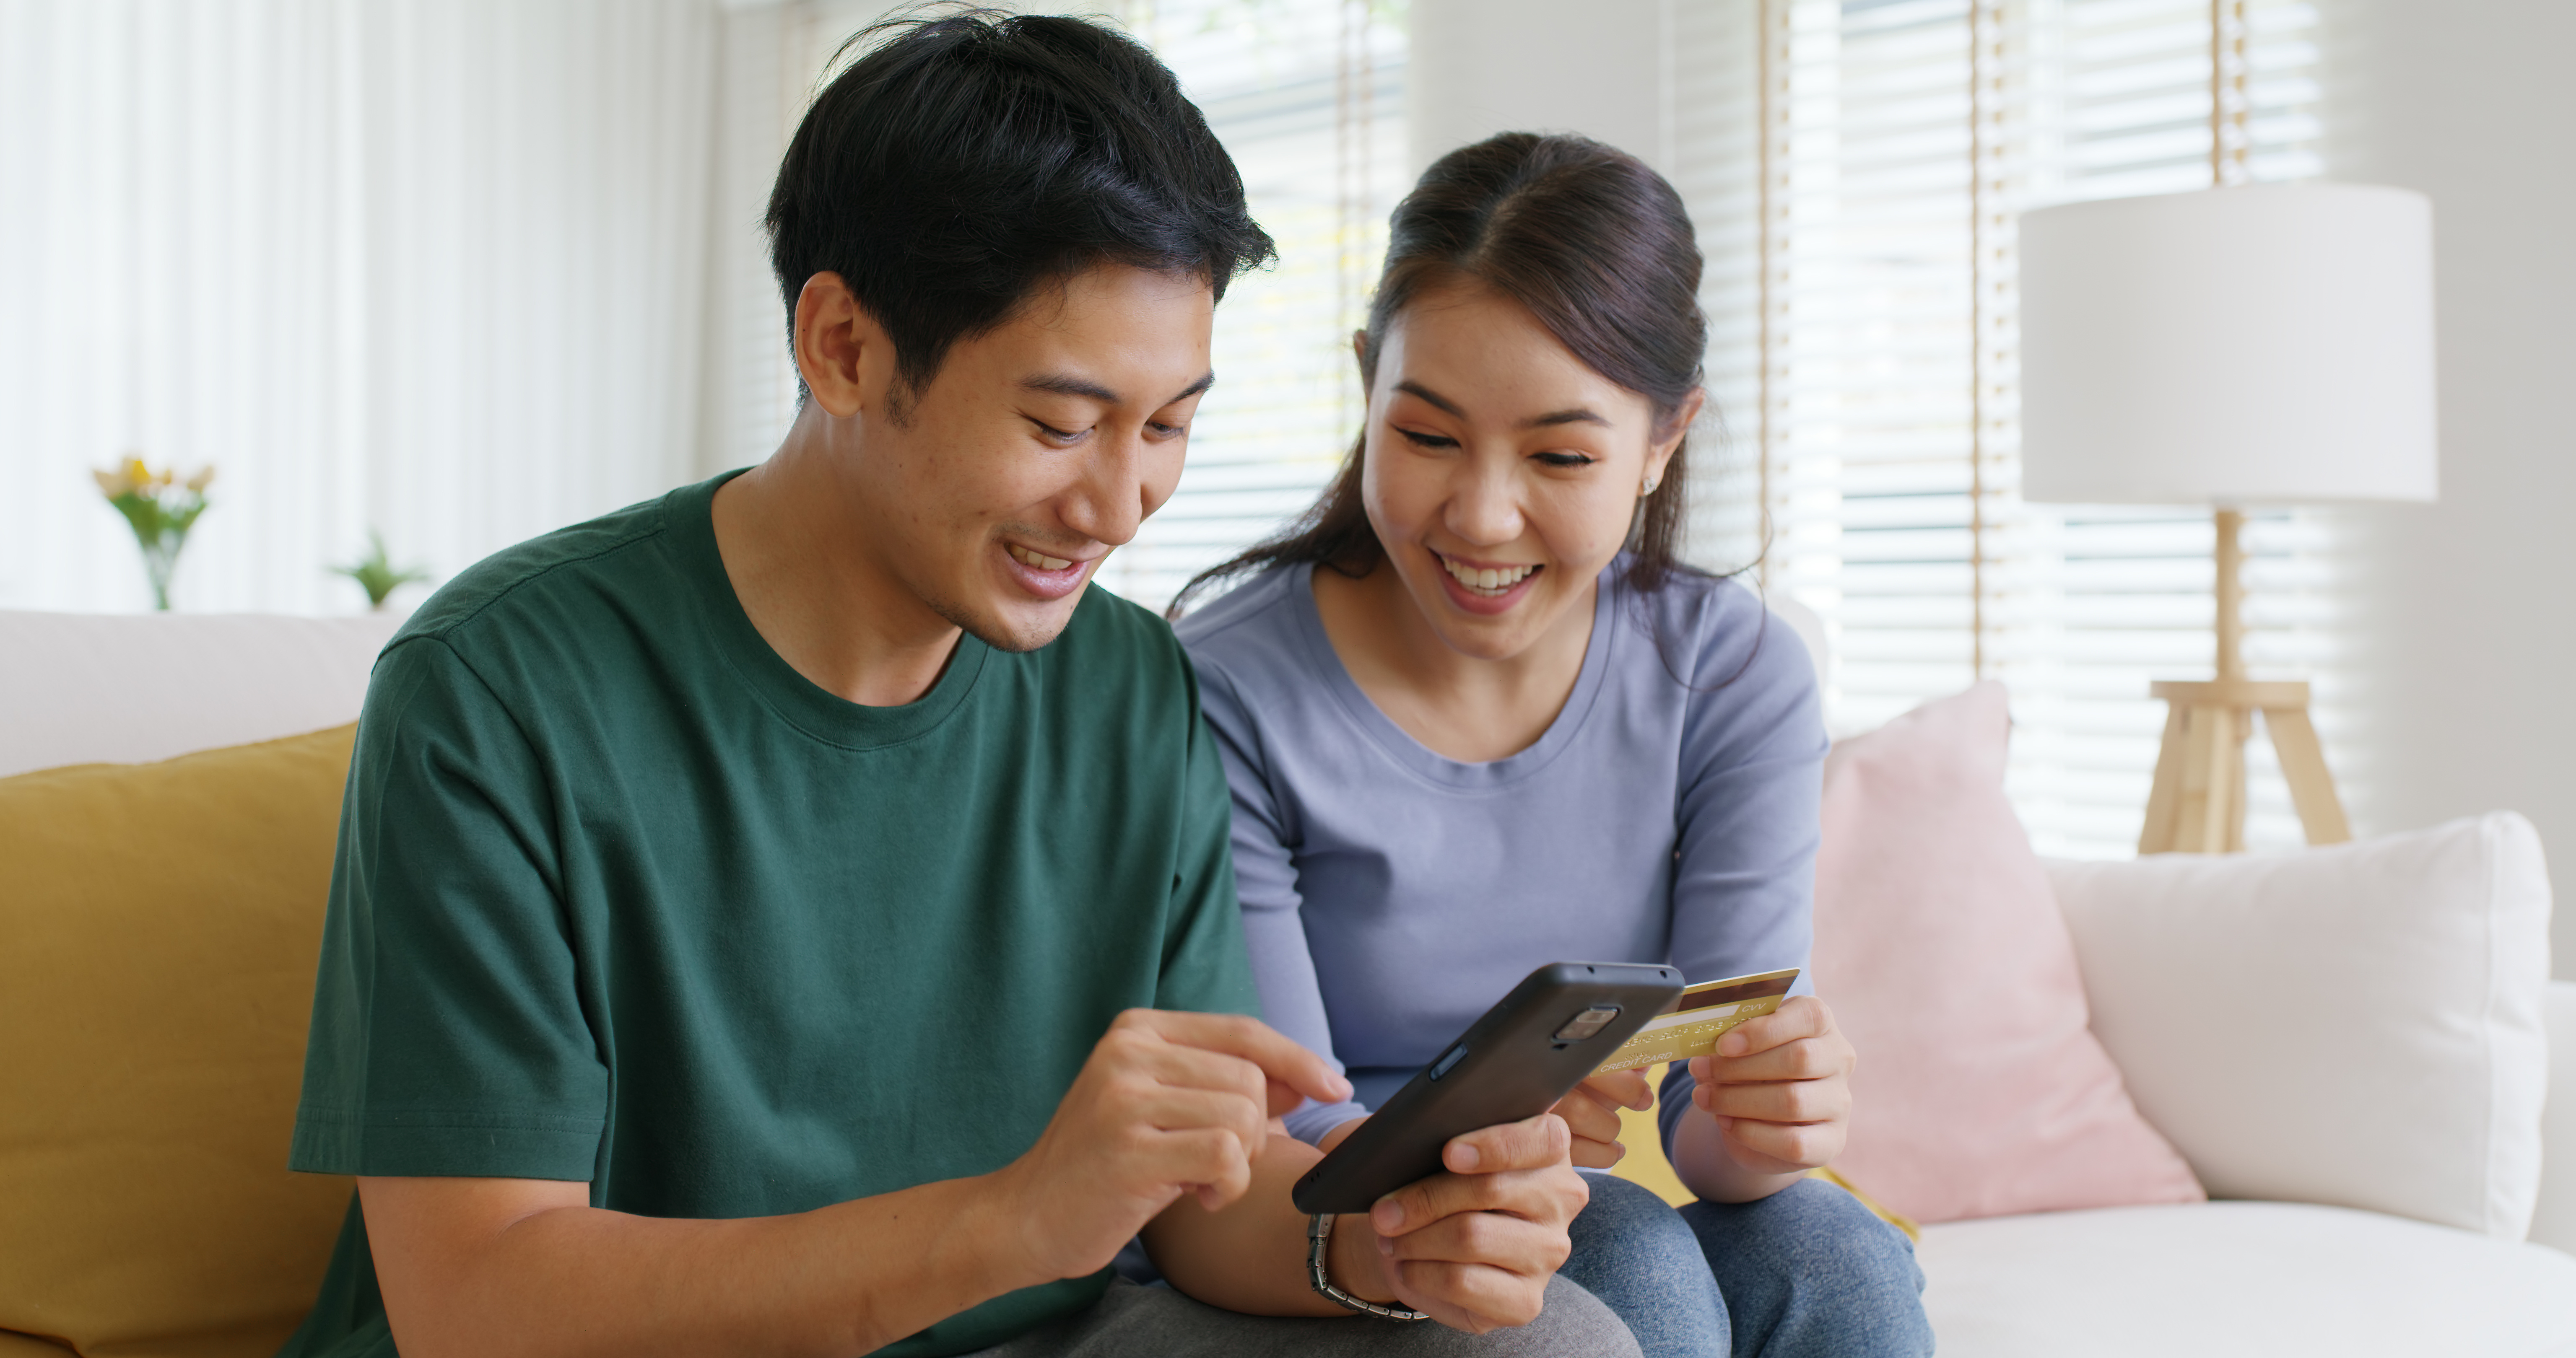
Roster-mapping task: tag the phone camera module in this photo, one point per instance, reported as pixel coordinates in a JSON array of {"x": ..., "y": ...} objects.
[{"x": 1587, "y": 1023}]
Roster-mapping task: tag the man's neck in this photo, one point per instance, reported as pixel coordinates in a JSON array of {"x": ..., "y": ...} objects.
[{"x": 792, "y": 536}]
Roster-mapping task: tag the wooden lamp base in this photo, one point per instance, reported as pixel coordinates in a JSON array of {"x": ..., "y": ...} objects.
[{"x": 2198, "y": 802}]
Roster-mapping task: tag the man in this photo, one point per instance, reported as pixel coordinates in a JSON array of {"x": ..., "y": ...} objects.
[{"x": 794, "y": 916}]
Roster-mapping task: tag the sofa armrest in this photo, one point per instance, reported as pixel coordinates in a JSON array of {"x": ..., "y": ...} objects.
[
  {"x": 2360, "y": 1025},
  {"x": 2554, "y": 1224}
]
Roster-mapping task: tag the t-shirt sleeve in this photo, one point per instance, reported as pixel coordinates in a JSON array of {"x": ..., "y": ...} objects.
[
  {"x": 1750, "y": 807},
  {"x": 1274, "y": 925},
  {"x": 1204, "y": 966},
  {"x": 448, "y": 1033}
]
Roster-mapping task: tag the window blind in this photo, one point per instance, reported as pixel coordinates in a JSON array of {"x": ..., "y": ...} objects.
[
  {"x": 1309, "y": 100},
  {"x": 1856, "y": 168}
]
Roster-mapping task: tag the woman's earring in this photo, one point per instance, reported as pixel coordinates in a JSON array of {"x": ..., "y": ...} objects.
[{"x": 1651, "y": 483}]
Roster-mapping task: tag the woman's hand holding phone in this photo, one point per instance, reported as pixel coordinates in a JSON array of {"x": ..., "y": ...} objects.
[
  {"x": 1591, "y": 1112},
  {"x": 1473, "y": 1246},
  {"x": 1780, "y": 1089}
]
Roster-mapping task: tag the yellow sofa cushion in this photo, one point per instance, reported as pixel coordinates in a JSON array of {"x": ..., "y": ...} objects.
[{"x": 159, "y": 925}]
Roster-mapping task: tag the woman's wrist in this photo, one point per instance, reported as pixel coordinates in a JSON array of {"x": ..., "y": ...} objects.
[{"x": 1353, "y": 1263}]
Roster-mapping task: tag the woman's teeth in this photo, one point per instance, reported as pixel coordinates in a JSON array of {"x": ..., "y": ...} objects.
[
  {"x": 1487, "y": 582},
  {"x": 1037, "y": 560}
]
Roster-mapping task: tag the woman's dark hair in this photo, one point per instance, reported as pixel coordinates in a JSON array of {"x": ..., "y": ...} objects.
[
  {"x": 973, "y": 156},
  {"x": 1597, "y": 247}
]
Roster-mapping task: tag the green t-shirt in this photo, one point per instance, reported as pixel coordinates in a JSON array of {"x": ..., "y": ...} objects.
[{"x": 623, "y": 898}]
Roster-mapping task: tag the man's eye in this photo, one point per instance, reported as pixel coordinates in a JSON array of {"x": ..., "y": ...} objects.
[
  {"x": 1166, "y": 430},
  {"x": 1565, "y": 459},
  {"x": 1420, "y": 439},
  {"x": 1060, "y": 435}
]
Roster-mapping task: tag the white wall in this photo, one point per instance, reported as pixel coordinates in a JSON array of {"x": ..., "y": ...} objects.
[
  {"x": 2468, "y": 606},
  {"x": 1479, "y": 67}
]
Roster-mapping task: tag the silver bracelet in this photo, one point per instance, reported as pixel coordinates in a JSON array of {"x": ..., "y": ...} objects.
[{"x": 1319, "y": 1233}]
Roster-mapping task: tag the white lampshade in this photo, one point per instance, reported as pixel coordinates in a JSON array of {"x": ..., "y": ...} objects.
[{"x": 2233, "y": 347}]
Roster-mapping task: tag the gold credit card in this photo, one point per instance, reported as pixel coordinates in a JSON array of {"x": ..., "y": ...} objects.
[{"x": 1699, "y": 1018}]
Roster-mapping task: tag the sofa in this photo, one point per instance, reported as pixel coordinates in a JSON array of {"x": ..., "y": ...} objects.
[{"x": 158, "y": 925}]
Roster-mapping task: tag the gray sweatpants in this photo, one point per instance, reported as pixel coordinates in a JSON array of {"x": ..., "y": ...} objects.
[{"x": 1150, "y": 1322}]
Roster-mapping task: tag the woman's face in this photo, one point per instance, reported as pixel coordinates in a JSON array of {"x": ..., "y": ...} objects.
[{"x": 1501, "y": 473}]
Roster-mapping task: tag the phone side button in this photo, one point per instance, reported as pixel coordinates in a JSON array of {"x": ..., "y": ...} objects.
[{"x": 1451, "y": 1058}]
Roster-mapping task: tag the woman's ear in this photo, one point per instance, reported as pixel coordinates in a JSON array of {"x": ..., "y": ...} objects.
[{"x": 1670, "y": 437}]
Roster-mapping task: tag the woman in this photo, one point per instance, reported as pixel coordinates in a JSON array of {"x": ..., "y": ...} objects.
[{"x": 1478, "y": 716}]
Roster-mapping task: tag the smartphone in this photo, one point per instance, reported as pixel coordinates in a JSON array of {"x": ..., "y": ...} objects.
[{"x": 1528, "y": 1051}]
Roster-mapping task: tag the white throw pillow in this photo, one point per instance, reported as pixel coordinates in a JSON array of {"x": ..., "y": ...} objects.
[{"x": 2358, "y": 1025}]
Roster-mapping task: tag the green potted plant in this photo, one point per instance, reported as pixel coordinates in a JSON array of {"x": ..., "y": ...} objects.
[{"x": 376, "y": 573}]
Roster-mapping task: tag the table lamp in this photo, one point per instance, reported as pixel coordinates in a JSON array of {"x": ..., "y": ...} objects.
[{"x": 2233, "y": 347}]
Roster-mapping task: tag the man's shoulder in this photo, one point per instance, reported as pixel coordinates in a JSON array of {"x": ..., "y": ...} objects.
[{"x": 533, "y": 582}]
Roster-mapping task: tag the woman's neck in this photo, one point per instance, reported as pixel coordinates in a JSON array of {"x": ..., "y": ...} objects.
[{"x": 1468, "y": 708}]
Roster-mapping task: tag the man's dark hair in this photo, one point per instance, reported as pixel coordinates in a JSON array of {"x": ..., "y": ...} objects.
[{"x": 969, "y": 158}]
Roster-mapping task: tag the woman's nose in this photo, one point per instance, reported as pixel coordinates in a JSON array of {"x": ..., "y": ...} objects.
[{"x": 1484, "y": 507}]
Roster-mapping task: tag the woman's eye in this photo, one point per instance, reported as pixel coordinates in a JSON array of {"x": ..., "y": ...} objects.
[
  {"x": 1420, "y": 439},
  {"x": 1565, "y": 459}
]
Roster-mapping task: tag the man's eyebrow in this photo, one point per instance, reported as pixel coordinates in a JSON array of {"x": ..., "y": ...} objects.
[{"x": 1066, "y": 384}]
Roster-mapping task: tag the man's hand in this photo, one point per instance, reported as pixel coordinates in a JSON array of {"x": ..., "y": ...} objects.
[
  {"x": 1780, "y": 1089},
  {"x": 1168, "y": 1104},
  {"x": 1591, "y": 1112},
  {"x": 1475, "y": 1246}
]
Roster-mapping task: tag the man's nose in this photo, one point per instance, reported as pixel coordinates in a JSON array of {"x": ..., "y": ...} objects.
[{"x": 1115, "y": 491}]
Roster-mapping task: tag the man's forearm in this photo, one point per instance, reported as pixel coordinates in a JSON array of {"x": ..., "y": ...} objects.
[
  {"x": 467, "y": 1273},
  {"x": 1701, "y": 1161},
  {"x": 1251, "y": 1257}
]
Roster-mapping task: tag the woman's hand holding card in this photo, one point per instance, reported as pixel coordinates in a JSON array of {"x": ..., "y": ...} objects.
[{"x": 1780, "y": 1088}]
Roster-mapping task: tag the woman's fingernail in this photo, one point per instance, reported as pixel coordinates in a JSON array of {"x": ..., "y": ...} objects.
[{"x": 1465, "y": 1157}]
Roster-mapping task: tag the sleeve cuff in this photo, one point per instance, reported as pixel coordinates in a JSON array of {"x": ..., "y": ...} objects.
[
  {"x": 1311, "y": 1120},
  {"x": 1673, "y": 1100}
]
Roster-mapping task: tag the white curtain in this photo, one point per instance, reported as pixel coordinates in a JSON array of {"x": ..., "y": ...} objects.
[{"x": 436, "y": 267}]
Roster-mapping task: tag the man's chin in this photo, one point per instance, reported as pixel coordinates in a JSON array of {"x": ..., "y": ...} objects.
[{"x": 1015, "y": 628}]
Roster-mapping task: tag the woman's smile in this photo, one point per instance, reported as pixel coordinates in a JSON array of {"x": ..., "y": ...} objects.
[{"x": 1482, "y": 580}]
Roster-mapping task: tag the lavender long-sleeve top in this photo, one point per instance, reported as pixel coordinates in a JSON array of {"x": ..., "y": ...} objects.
[{"x": 1391, "y": 895}]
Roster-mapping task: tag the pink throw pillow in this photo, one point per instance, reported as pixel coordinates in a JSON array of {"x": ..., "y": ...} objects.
[{"x": 1980, "y": 1091}]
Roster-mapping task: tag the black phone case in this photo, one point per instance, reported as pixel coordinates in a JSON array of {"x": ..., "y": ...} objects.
[{"x": 1506, "y": 1067}]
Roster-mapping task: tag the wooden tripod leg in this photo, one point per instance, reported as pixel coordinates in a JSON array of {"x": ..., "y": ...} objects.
[
  {"x": 2213, "y": 749},
  {"x": 2303, "y": 767},
  {"x": 2165, "y": 797}
]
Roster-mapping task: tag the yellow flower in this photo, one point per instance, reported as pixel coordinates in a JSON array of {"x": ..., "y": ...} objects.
[
  {"x": 112, "y": 484},
  {"x": 205, "y": 476},
  {"x": 139, "y": 476}
]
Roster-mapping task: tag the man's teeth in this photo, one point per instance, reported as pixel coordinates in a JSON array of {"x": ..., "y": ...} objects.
[
  {"x": 1492, "y": 584},
  {"x": 1036, "y": 560}
]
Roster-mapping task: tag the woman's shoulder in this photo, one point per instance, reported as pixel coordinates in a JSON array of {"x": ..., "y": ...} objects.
[
  {"x": 1252, "y": 637},
  {"x": 1713, "y": 632},
  {"x": 1257, "y": 614}
]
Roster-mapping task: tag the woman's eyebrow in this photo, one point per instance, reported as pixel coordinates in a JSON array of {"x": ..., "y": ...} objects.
[
  {"x": 1575, "y": 415},
  {"x": 1413, "y": 388},
  {"x": 1578, "y": 415}
]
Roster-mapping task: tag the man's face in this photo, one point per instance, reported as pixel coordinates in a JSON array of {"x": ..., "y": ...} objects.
[{"x": 1038, "y": 448}]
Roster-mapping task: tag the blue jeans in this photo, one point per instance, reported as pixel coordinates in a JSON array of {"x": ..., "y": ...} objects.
[{"x": 1805, "y": 1273}]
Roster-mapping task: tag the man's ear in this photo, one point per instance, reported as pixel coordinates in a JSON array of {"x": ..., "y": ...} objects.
[{"x": 834, "y": 337}]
